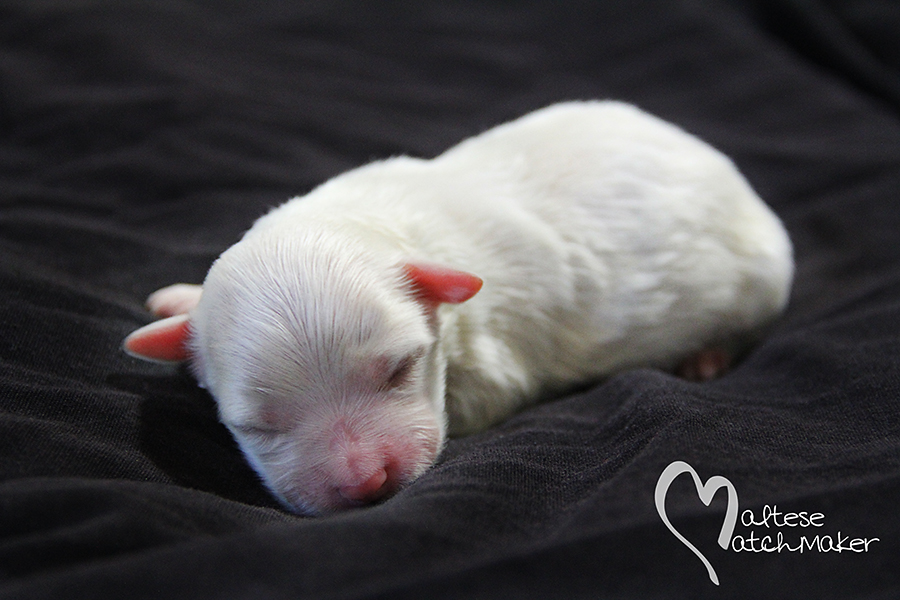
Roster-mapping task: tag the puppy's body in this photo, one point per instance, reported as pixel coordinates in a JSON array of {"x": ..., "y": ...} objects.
[{"x": 341, "y": 336}]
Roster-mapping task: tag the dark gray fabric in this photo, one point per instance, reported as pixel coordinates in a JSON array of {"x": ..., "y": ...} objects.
[{"x": 139, "y": 139}]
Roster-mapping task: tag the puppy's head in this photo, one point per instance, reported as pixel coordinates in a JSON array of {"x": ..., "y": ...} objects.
[{"x": 325, "y": 365}]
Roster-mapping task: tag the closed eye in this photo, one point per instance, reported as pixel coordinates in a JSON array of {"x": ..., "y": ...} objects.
[
  {"x": 254, "y": 430},
  {"x": 401, "y": 373},
  {"x": 403, "y": 370}
]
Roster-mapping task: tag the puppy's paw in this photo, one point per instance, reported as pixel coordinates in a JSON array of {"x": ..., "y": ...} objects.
[{"x": 705, "y": 365}]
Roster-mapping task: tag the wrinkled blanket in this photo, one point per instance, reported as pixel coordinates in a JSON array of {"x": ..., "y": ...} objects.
[{"x": 140, "y": 139}]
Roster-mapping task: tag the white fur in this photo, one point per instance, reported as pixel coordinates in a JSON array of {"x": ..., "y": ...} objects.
[{"x": 606, "y": 238}]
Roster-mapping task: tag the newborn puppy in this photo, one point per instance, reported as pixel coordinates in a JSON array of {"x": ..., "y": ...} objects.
[{"x": 348, "y": 332}]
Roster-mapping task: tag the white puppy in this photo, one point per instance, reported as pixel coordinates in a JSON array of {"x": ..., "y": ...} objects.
[{"x": 348, "y": 331}]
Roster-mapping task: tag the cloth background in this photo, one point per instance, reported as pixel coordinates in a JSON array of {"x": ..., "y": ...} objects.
[{"x": 140, "y": 139}]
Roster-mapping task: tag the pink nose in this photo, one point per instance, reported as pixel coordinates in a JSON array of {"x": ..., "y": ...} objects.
[{"x": 369, "y": 490}]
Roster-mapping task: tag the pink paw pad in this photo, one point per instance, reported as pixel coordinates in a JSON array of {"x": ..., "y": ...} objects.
[{"x": 705, "y": 365}]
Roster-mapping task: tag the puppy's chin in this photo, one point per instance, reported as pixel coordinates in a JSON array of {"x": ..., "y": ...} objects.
[
  {"x": 346, "y": 464},
  {"x": 341, "y": 491}
]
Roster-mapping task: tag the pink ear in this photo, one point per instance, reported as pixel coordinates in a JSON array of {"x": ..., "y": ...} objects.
[
  {"x": 165, "y": 340},
  {"x": 442, "y": 284}
]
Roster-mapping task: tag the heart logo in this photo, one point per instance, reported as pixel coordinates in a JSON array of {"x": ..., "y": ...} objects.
[{"x": 706, "y": 492}]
